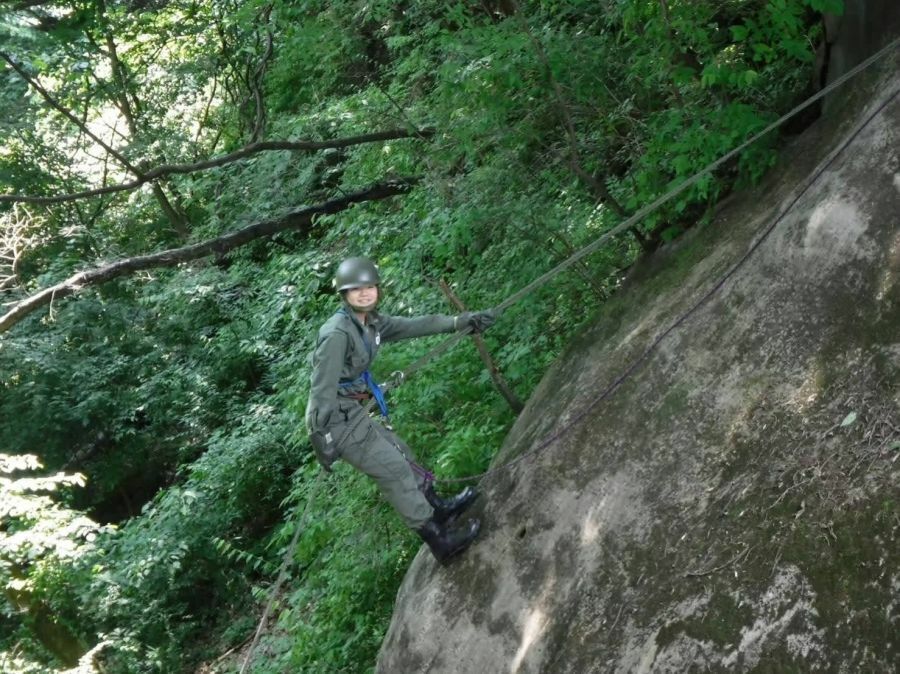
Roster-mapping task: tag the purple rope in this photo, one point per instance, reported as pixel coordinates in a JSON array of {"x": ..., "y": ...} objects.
[{"x": 424, "y": 473}]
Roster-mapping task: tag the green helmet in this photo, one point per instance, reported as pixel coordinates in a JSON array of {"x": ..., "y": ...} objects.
[{"x": 356, "y": 272}]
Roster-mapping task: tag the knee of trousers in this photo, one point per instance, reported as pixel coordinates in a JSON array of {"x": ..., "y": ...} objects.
[
  {"x": 383, "y": 462},
  {"x": 402, "y": 447}
]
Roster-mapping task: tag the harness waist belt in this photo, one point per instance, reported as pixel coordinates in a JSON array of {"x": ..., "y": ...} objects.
[
  {"x": 367, "y": 379},
  {"x": 358, "y": 396}
]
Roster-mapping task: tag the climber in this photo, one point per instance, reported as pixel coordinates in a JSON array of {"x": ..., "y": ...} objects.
[{"x": 341, "y": 385}]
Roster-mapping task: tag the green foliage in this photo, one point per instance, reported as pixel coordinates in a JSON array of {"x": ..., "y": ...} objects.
[
  {"x": 180, "y": 392},
  {"x": 350, "y": 559},
  {"x": 41, "y": 543}
]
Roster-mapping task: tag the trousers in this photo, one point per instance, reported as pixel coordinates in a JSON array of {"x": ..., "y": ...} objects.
[{"x": 376, "y": 451}]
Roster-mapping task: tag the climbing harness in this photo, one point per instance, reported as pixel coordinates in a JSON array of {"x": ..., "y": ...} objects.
[
  {"x": 377, "y": 394},
  {"x": 399, "y": 377},
  {"x": 366, "y": 377}
]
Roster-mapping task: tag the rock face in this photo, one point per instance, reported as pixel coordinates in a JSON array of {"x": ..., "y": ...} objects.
[{"x": 733, "y": 505}]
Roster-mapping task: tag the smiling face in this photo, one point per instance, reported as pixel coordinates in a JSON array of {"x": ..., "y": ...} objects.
[{"x": 362, "y": 299}]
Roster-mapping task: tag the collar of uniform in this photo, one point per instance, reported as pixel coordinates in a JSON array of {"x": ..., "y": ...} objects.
[{"x": 373, "y": 318}]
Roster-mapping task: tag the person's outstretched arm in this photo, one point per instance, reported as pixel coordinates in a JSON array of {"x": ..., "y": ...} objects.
[{"x": 397, "y": 327}]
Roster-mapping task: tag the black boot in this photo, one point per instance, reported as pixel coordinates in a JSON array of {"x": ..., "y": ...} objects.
[
  {"x": 446, "y": 510},
  {"x": 445, "y": 543}
]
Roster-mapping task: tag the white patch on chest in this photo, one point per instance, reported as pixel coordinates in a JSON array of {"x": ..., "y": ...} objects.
[{"x": 377, "y": 339}]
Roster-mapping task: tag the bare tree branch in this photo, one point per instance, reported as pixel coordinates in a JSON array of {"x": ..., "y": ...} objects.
[
  {"x": 119, "y": 74},
  {"x": 171, "y": 213},
  {"x": 15, "y": 238},
  {"x": 68, "y": 114},
  {"x": 499, "y": 380},
  {"x": 130, "y": 106},
  {"x": 201, "y": 125},
  {"x": 424, "y": 133},
  {"x": 302, "y": 218},
  {"x": 246, "y": 151},
  {"x": 256, "y": 82},
  {"x": 596, "y": 186}
]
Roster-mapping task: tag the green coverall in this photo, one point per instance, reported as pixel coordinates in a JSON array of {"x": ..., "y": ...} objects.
[{"x": 344, "y": 350}]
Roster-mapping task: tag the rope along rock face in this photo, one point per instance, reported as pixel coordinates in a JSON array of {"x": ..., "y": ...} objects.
[
  {"x": 638, "y": 362},
  {"x": 545, "y": 278}
]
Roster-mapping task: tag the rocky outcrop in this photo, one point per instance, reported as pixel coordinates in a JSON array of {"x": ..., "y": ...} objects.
[{"x": 733, "y": 505}]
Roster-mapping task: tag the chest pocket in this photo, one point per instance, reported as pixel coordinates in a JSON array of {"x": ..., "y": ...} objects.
[{"x": 358, "y": 356}]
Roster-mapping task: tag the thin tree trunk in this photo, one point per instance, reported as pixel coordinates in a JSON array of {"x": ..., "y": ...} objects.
[
  {"x": 498, "y": 379},
  {"x": 173, "y": 211}
]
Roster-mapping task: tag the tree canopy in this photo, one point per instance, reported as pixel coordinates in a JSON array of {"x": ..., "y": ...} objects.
[{"x": 178, "y": 180}]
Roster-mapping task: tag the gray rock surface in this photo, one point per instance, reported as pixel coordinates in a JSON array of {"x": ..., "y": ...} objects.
[{"x": 734, "y": 505}]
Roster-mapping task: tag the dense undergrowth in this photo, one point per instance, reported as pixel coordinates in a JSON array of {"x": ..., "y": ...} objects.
[{"x": 163, "y": 409}]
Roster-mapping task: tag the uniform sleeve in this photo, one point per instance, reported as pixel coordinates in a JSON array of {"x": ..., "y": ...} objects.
[
  {"x": 327, "y": 362},
  {"x": 394, "y": 327}
]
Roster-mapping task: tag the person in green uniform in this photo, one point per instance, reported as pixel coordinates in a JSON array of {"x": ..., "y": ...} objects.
[{"x": 341, "y": 387}]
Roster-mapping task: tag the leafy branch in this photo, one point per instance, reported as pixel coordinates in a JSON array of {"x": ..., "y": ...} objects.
[
  {"x": 56, "y": 105},
  {"x": 302, "y": 218},
  {"x": 244, "y": 152},
  {"x": 595, "y": 184}
]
